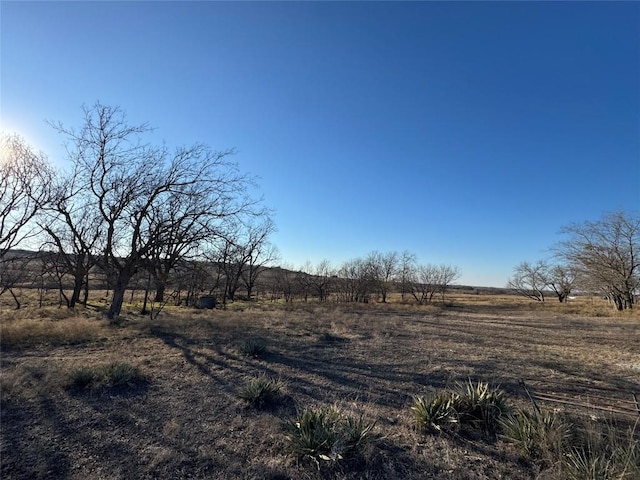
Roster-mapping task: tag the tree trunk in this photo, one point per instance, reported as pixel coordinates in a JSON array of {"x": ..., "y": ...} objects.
[
  {"x": 77, "y": 289},
  {"x": 15, "y": 298},
  {"x": 119, "y": 289},
  {"x": 160, "y": 288},
  {"x": 85, "y": 299},
  {"x": 144, "y": 310}
]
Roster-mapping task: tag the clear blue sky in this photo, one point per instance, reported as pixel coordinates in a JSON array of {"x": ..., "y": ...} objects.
[{"x": 467, "y": 133}]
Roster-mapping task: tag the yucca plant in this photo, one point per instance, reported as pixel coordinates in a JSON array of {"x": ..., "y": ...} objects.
[
  {"x": 356, "y": 433},
  {"x": 254, "y": 347},
  {"x": 326, "y": 435},
  {"x": 581, "y": 464},
  {"x": 260, "y": 391},
  {"x": 84, "y": 377},
  {"x": 603, "y": 454},
  {"x": 314, "y": 434},
  {"x": 431, "y": 413},
  {"x": 536, "y": 435},
  {"x": 480, "y": 405},
  {"x": 122, "y": 374}
]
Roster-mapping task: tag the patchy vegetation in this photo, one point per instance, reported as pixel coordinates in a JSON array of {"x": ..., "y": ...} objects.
[{"x": 378, "y": 391}]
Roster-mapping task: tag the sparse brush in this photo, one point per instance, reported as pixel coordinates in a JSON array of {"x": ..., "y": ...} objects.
[
  {"x": 324, "y": 434},
  {"x": 109, "y": 375},
  {"x": 537, "y": 435},
  {"x": 431, "y": 413},
  {"x": 254, "y": 347},
  {"x": 260, "y": 391}
]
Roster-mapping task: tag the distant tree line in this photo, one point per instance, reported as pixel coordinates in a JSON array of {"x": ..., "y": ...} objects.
[
  {"x": 366, "y": 279},
  {"x": 600, "y": 256}
]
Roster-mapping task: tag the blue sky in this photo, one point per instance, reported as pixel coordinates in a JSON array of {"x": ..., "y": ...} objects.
[{"x": 467, "y": 133}]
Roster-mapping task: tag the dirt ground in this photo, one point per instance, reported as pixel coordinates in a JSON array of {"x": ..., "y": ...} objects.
[{"x": 186, "y": 420}]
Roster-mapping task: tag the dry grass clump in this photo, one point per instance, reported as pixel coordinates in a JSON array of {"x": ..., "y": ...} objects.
[
  {"x": 117, "y": 374},
  {"x": 71, "y": 329}
]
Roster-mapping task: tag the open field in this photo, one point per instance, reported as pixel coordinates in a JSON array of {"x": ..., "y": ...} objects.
[{"x": 182, "y": 417}]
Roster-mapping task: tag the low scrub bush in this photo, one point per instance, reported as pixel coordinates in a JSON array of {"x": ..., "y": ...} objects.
[
  {"x": 326, "y": 435},
  {"x": 260, "y": 391},
  {"x": 105, "y": 376}
]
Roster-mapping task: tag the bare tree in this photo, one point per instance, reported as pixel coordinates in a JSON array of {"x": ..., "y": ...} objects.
[
  {"x": 258, "y": 252},
  {"x": 16, "y": 271},
  {"x": 424, "y": 283},
  {"x": 606, "y": 254},
  {"x": 140, "y": 191},
  {"x": 286, "y": 281},
  {"x": 320, "y": 278},
  {"x": 75, "y": 230},
  {"x": 228, "y": 258},
  {"x": 429, "y": 280},
  {"x": 448, "y": 275},
  {"x": 383, "y": 268},
  {"x": 407, "y": 268},
  {"x": 355, "y": 282},
  {"x": 562, "y": 279},
  {"x": 530, "y": 280},
  {"x": 25, "y": 179}
]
